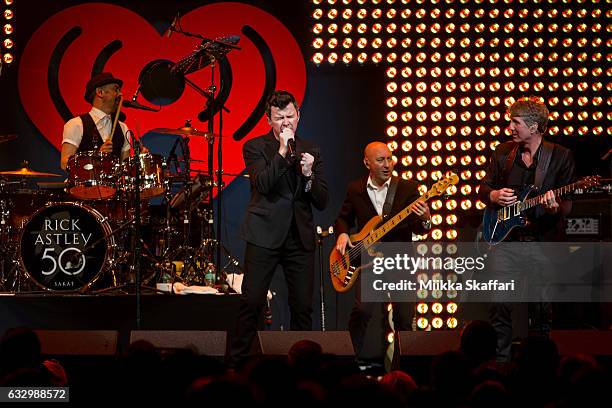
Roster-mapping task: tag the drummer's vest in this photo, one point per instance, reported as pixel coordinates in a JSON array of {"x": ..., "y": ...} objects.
[{"x": 92, "y": 138}]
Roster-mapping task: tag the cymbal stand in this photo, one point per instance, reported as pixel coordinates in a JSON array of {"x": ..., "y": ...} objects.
[
  {"x": 187, "y": 186},
  {"x": 12, "y": 278},
  {"x": 184, "y": 253},
  {"x": 167, "y": 231}
]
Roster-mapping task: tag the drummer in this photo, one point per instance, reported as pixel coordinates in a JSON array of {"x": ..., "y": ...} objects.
[{"x": 92, "y": 130}]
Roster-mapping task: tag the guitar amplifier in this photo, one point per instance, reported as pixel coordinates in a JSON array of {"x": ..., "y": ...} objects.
[{"x": 590, "y": 218}]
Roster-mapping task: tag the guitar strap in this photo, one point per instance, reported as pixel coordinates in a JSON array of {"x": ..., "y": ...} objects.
[
  {"x": 390, "y": 197},
  {"x": 543, "y": 163}
]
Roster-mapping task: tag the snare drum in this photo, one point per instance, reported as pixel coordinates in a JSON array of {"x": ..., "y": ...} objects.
[
  {"x": 152, "y": 167},
  {"x": 66, "y": 247},
  {"x": 92, "y": 175}
]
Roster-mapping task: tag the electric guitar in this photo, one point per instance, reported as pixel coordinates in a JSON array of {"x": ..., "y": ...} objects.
[
  {"x": 497, "y": 223},
  {"x": 344, "y": 269}
]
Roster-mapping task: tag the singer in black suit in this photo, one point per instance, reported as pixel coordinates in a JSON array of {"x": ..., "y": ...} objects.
[
  {"x": 286, "y": 175},
  {"x": 365, "y": 198}
]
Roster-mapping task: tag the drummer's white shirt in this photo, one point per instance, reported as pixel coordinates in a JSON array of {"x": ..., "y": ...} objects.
[{"x": 73, "y": 129}]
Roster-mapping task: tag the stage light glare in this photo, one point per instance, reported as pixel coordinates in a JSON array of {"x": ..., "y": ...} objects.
[
  {"x": 437, "y": 307},
  {"x": 436, "y": 234},
  {"x": 422, "y": 322},
  {"x": 332, "y": 14},
  {"x": 422, "y": 308}
]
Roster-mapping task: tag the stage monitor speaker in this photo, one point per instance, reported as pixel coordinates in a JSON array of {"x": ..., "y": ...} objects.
[
  {"x": 592, "y": 342},
  {"x": 210, "y": 343},
  {"x": 428, "y": 343},
  {"x": 279, "y": 342},
  {"x": 78, "y": 342}
]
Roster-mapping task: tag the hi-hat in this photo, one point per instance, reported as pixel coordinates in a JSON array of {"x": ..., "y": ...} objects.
[
  {"x": 6, "y": 138},
  {"x": 184, "y": 131},
  {"x": 25, "y": 171}
]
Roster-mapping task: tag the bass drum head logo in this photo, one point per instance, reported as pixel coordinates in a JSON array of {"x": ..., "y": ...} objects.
[{"x": 65, "y": 247}]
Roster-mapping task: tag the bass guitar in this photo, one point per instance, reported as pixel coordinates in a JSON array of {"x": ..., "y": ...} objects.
[{"x": 344, "y": 269}]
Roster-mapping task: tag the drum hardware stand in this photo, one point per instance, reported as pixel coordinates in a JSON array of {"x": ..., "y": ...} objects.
[
  {"x": 167, "y": 231},
  {"x": 190, "y": 256},
  {"x": 12, "y": 277},
  {"x": 321, "y": 234}
]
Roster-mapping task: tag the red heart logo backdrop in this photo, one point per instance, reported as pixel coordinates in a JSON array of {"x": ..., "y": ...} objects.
[{"x": 141, "y": 43}]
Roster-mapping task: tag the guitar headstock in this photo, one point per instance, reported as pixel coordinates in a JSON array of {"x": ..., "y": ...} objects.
[
  {"x": 440, "y": 187},
  {"x": 588, "y": 182}
]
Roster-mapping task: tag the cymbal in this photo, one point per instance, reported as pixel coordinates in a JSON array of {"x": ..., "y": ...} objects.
[
  {"x": 27, "y": 172},
  {"x": 6, "y": 138},
  {"x": 184, "y": 131}
]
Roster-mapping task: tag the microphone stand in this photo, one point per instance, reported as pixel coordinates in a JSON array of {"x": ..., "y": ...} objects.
[
  {"x": 137, "y": 225},
  {"x": 213, "y": 61},
  {"x": 321, "y": 234},
  {"x": 219, "y": 182},
  {"x": 211, "y": 157}
]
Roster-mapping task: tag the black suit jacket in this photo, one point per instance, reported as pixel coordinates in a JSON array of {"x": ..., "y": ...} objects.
[
  {"x": 277, "y": 196},
  {"x": 358, "y": 209},
  {"x": 560, "y": 172}
]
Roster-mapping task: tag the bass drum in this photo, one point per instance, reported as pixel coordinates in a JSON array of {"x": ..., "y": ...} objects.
[{"x": 66, "y": 247}]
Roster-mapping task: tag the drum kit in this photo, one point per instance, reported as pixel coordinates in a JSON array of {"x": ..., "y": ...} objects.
[
  {"x": 98, "y": 232},
  {"x": 78, "y": 236}
]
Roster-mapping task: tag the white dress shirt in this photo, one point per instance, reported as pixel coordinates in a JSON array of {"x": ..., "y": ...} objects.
[
  {"x": 378, "y": 195},
  {"x": 73, "y": 129}
]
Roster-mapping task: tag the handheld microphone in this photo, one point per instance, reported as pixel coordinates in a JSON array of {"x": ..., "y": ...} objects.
[{"x": 291, "y": 148}]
